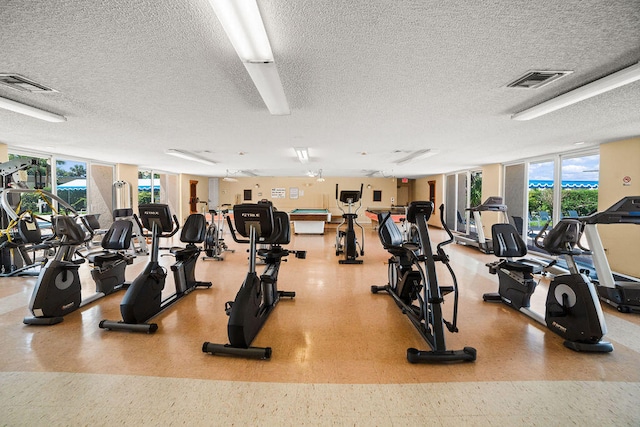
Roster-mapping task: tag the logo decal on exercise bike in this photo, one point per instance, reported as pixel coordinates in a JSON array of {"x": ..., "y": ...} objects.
[
  {"x": 250, "y": 215},
  {"x": 558, "y": 326}
]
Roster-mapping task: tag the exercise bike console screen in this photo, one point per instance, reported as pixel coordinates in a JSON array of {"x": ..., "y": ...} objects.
[
  {"x": 158, "y": 214},
  {"x": 260, "y": 216}
]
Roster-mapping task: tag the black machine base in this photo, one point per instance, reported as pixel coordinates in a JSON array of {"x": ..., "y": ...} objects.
[
  {"x": 599, "y": 347},
  {"x": 148, "y": 328},
  {"x": 467, "y": 354},
  {"x": 263, "y": 353},
  {"x": 42, "y": 320},
  {"x": 625, "y": 297},
  {"x": 350, "y": 261}
]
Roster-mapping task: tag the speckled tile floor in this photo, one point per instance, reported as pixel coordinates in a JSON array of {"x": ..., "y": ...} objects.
[{"x": 338, "y": 357}]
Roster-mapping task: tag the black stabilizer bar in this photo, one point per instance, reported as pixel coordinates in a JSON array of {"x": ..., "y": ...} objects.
[
  {"x": 250, "y": 352},
  {"x": 148, "y": 328}
]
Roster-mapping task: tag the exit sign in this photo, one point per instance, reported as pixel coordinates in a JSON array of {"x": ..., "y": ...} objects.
[{"x": 405, "y": 180}]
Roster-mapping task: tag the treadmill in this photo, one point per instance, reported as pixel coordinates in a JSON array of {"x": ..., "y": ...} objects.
[
  {"x": 478, "y": 239},
  {"x": 622, "y": 294}
]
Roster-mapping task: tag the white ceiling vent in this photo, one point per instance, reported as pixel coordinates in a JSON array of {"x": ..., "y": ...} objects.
[
  {"x": 16, "y": 81},
  {"x": 536, "y": 79}
]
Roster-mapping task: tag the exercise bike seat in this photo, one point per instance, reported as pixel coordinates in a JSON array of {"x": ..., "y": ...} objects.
[
  {"x": 69, "y": 231},
  {"x": 194, "y": 231},
  {"x": 508, "y": 244},
  {"x": 117, "y": 238},
  {"x": 391, "y": 237},
  {"x": 563, "y": 238}
]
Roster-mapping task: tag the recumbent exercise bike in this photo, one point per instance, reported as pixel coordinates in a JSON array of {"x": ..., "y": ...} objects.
[
  {"x": 572, "y": 309},
  {"x": 258, "y": 295},
  {"x": 412, "y": 278},
  {"x": 143, "y": 299},
  {"x": 58, "y": 288}
]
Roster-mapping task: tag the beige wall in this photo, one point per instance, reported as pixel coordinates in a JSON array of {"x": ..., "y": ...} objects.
[
  {"x": 421, "y": 192},
  {"x": 4, "y": 152},
  {"x": 621, "y": 241},
  {"x": 491, "y": 186},
  {"x": 311, "y": 193}
]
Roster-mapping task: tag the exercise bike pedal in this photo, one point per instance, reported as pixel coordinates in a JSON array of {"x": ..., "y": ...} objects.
[{"x": 227, "y": 307}]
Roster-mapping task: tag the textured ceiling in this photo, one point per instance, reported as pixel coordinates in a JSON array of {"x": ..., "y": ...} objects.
[{"x": 385, "y": 78}]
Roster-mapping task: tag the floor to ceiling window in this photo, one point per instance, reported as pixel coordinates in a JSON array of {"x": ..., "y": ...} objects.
[
  {"x": 562, "y": 186},
  {"x": 71, "y": 183},
  {"x": 148, "y": 187},
  {"x": 579, "y": 176},
  {"x": 541, "y": 194},
  {"x": 464, "y": 190}
]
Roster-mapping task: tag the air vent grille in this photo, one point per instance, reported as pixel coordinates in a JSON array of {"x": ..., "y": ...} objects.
[
  {"x": 536, "y": 79},
  {"x": 18, "y": 82}
]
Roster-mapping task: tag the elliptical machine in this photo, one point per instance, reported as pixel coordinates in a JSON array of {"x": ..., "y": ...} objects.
[
  {"x": 572, "y": 308},
  {"x": 58, "y": 289},
  {"x": 258, "y": 295},
  {"x": 412, "y": 277},
  {"x": 143, "y": 299},
  {"x": 346, "y": 241}
]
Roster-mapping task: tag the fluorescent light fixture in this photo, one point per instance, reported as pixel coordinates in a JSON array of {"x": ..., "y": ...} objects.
[
  {"x": 267, "y": 80},
  {"x": 189, "y": 156},
  {"x": 416, "y": 155},
  {"x": 303, "y": 154},
  {"x": 227, "y": 178},
  {"x": 243, "y": 24},
  {"x": 605, "y": 84},
  {"x": 28, "y": 110}
]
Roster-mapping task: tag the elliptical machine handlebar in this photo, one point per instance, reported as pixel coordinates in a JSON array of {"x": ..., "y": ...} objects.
[{"x": 446, "y": 228}]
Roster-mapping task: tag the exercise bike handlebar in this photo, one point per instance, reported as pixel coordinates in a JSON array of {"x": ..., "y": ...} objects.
[
  {"x": 176, "y": 227},
  {"x": 536, "y": 240},
  {"x": 273, "y": 238}
]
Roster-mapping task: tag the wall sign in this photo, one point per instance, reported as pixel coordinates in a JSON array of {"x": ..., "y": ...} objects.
[{"x": 278, "y": 193}]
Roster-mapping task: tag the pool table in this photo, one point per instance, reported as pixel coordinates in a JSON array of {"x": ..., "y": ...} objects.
[
  {"x": 397, "y": 213},
  {"x": 309, "y": 221}
]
